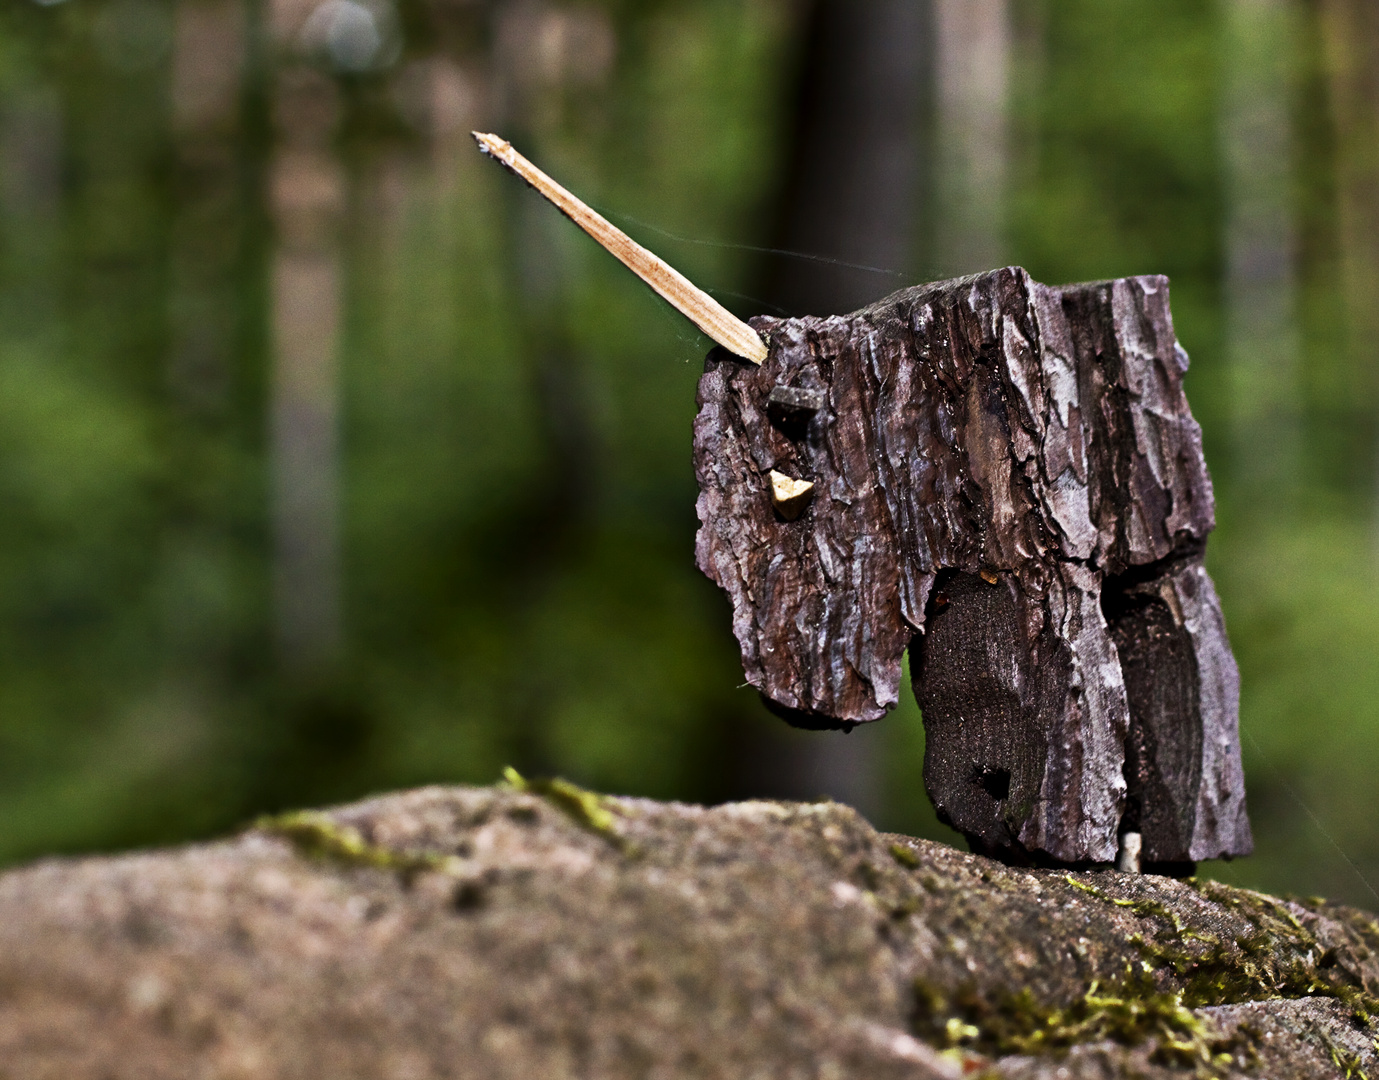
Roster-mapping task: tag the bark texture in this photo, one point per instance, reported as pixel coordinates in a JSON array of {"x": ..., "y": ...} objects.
[
  {"x": 1007, "y": 480},
  {"x": 551, "y": 933}
]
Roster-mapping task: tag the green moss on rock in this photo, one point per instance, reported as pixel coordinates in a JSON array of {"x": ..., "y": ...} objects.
[{"x": 504, "y": 931}]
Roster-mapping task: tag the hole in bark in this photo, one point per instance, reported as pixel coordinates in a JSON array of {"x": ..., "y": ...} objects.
[
  {"x": 995, "y": 782},
  {"x": 791, "y": 408}
]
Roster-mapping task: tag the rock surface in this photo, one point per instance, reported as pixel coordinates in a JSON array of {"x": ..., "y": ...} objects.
[{"x": 535, "y": 930}]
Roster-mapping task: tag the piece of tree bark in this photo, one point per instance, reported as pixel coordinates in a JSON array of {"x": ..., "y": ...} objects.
[
  {"x": 491, "y": 933},
  {"x": 1006, "y": 475}
]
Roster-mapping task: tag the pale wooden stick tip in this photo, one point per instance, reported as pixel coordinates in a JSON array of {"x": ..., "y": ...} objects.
[
  {"x": 490, "y": 144},
  {"x": 698, "y": 306}
]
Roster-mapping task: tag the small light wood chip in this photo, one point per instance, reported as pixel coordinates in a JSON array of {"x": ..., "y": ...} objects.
[{"x": 790, "y": 496}]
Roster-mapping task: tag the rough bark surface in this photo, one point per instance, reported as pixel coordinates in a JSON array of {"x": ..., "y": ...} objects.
[
  {"x": 1008, "y": 480},
  {"x": 550, "y": 933}
]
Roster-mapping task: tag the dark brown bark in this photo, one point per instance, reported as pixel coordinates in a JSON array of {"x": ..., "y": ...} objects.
[{"x": 1008, "y": 480}]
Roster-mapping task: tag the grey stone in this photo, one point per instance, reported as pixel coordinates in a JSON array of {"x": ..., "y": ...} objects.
[{"x": 477, "y": 932}]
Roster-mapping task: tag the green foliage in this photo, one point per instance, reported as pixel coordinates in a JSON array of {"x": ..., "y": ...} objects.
[{"x": 517, "y": 495}]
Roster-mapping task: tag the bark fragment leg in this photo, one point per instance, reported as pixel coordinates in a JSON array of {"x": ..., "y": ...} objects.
[{"x": 1184, "y": 784}]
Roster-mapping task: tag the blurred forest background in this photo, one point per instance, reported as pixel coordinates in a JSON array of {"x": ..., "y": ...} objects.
[{"x": 332, "y": 461}]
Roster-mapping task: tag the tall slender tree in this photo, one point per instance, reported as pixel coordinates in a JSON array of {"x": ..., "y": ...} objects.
[
  {"x": 307, "y": 185},
  {"x": 856, "y": 176},
  {"x": 1351, "y": 35},
  {"x": 972, "y": 148},
  {"x": 1257, "y": 114}
]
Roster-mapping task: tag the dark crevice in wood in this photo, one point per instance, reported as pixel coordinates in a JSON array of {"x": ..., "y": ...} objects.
[{"x": 1118, "y": 590}]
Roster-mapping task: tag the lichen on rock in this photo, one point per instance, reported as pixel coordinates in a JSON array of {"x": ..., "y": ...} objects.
[{"x": 539, "y": 930}]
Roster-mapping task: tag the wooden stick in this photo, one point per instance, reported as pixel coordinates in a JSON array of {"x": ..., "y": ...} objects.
[{"x": 696, "y": 305}]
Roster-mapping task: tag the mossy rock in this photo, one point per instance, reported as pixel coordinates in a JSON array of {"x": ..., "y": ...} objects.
[{"x": 537, "y": 930}]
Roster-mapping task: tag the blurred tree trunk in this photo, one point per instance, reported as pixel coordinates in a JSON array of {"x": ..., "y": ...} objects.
[
  {"x": 540, "y": 50},
  {"x": 308, "y": 194},
  {"x": 207, "y": 376},
  {"x": 1260, "y": 88},
  {"x": 1351, "y": 32},
  {"x": 972, "y": 134},
  {"x": 863, "y": 85},
  {"x": 31, "y": 159},
  {"x": 856, "y": 174}
]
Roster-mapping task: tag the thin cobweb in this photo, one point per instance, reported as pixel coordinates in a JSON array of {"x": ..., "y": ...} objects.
[
  {"x": 1277, "y": 775},
  {"x": 730, "y": 246}
]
